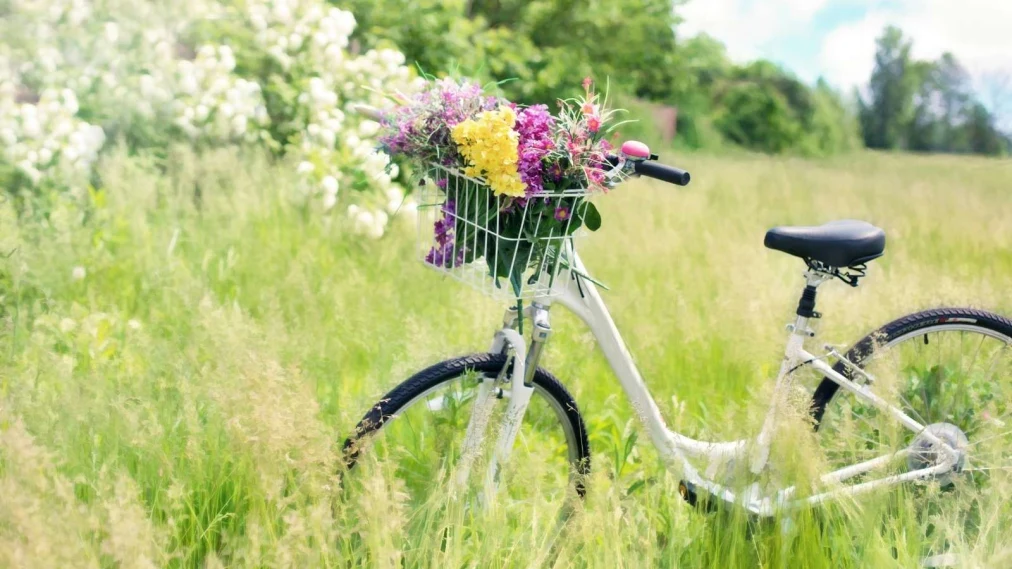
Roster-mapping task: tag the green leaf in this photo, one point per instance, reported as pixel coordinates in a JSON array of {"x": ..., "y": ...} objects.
[{"x": 591, "y": 217}]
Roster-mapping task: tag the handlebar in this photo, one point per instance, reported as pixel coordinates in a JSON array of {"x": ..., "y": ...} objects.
[
  {"x": 668, "y": 174},
  {"x": 645, "y": 167}
]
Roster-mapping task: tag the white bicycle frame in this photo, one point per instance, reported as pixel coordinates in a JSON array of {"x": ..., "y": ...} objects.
[{"x": 581, "y": 297}]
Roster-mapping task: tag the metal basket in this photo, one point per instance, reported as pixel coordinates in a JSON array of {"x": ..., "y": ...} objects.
[{"x": 463, "y": 233}]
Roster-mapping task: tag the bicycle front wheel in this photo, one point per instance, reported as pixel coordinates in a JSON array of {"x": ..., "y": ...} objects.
[{"x": 415, "y": 437}]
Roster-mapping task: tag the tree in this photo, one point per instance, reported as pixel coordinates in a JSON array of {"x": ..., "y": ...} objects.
[
  {"x": 763, "y": 108},
  {"x": 891, "y": 92},
  {"x": 981, "y": 134},
  {"x": 925, "y": 132}
]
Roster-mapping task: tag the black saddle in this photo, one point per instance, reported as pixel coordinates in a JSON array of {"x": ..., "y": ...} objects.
[{"x": 837, "y": 244}]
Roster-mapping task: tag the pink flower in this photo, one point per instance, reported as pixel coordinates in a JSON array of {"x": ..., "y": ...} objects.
[
  {"x": 589, "y": 108},
  {"x": 594, "y": 123},
  {"x": 595, "y": 176},
  {"x": 587, "y": 82}
]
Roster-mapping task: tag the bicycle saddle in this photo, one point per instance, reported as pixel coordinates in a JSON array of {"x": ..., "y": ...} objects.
[{"x": 838, "y": 244}]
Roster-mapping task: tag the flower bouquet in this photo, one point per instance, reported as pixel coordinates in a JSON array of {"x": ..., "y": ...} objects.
[{"x": 511, "y": 183}]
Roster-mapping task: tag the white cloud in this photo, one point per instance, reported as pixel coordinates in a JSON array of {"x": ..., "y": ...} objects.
[
  {"x": 977, "y": 32},
  {"x": 848, "y": 52},
  {"x": 745, "y": 26}
]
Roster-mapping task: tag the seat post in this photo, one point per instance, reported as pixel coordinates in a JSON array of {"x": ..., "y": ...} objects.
[{"x": 806, "y": 304}]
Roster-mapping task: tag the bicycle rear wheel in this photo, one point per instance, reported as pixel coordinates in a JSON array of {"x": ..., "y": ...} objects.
[
  {"x": 414, "y": 437},
  {"x": 951, "y": 371}
]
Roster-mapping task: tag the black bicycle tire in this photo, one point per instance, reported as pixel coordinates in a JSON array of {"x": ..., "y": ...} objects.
[
  {"x": 864, "y": 349},
  {"x": 449, "y": 370}
]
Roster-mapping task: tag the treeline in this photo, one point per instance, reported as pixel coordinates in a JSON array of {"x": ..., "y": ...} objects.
[
  {"x": 925, "y": 106},
  {"x": 541, "y": 50}
]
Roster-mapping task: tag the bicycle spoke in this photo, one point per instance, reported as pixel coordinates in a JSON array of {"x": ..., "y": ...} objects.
[{"x": 944, "y": 376}]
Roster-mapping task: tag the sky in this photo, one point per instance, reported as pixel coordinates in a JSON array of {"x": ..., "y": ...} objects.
[{"x": 835, "y": 39}]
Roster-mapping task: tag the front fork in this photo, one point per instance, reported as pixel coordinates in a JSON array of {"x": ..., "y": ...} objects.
[{"x": 525, "y": 364}]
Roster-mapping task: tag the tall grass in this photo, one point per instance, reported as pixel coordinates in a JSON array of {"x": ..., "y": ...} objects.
[{"x": 182, "y": 404}]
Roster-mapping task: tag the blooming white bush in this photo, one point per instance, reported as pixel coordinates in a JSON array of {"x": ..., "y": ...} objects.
[
  {"x": 307, "y": 40},
  {"x": 212, "y": 103},
  {"x": 45, "y": 139},
  {"x": 188, "y": 70}
]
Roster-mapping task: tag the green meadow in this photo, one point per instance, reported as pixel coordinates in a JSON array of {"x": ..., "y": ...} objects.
[{"x": 179, "y": 370}]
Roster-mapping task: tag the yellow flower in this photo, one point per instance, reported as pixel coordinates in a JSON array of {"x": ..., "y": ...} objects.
[{"x": 489, "y": 147}]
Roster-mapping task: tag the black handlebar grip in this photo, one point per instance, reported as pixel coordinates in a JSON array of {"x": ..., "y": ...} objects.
[{"x": 663, "y": 173}]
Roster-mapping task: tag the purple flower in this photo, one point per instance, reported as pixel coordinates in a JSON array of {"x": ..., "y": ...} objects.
[
  {"x": 534, "y": 125},
  {"x": 420, "y": 129},
  {"x": 561, "y": 213},
  {"x": 555, "y": 172},
  {"x": 442, "y": 255}
]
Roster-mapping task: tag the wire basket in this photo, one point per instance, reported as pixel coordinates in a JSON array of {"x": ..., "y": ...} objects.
[{"x": 500, "y": 246}]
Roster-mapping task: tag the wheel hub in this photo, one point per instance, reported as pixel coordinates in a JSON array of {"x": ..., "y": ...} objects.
[{"x": 924, "y": 453}]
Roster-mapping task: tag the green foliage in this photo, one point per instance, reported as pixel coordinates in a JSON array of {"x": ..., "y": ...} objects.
[{"x": 758, "y": 118}]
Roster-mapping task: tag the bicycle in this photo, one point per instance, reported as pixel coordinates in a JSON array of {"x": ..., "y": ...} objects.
[{"x": 906, "y": 403}]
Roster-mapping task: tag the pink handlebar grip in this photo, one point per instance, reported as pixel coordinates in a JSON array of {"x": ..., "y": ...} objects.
[{"x": 635, "y": 149}]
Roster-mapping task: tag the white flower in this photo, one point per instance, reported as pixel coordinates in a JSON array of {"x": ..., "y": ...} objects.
[
  {"x": 226, "y": 57},
  {"x": 111, "y": 32},
  {"x": 239, "y": 124},
  {"x": 370, "y": 224},
  {"x": 305, "y": 168},
  {"x": 34, "y": 175},
  {"x": 329, "y": 201},
  {"x": 363, "y": 221},
  {"x": 133, "y": 324},
  {"x": 29, "y": 125},
  {"x": 258, "y": 22},
  {"x": 67, "y": 325},
  {"x": 328, "y": 137},
  {"x": 379, "y": 225},
  {"x": 368, "y": 128},
  {"x": 408, "y": 207},
  {"x": 395, "y": 197},
  {"x": 330, "y": 185},
  {"x": 78, "y": 273}
]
